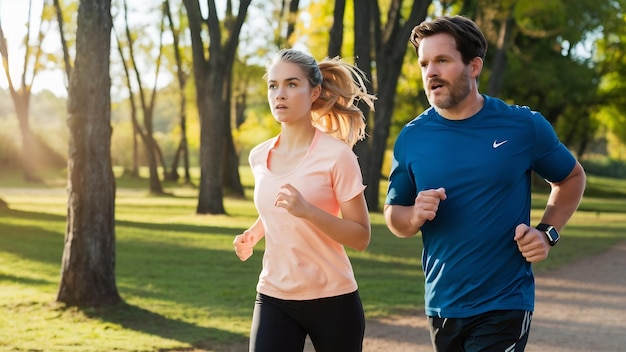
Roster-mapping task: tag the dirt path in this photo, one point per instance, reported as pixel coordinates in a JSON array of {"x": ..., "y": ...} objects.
[
  {"x": 581, "y": 307},
  {"x": 578, "y": 308}
]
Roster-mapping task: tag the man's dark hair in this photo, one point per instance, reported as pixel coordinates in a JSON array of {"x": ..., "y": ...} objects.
[{"x": 470, "y": 41}]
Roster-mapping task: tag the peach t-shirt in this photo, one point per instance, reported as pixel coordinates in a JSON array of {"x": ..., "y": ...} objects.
[{"x": 300, "y": 261}]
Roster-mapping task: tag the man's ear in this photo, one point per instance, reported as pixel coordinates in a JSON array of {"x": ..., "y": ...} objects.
[{"x": 476, "y": 66}]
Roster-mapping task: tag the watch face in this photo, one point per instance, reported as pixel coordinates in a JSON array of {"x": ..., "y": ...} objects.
[{"x": 553, "y": 235}]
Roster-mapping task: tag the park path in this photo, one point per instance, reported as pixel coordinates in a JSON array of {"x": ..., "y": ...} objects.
[{"x": 579, "y": 308}]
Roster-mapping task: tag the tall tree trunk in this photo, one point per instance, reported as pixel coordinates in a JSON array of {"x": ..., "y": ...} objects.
[
  {"x": 21, "y": 102},
  {"x": 183, "y": 149},
  {"x": 231, "y": 180},
  {"x": 211, "y": 107},
  {"x": 291, "y": 19},
  {"x": 499, "y": 60},
  {"x": 210, "y": 75},
  {"x": 134, "y": 172},
  {"x": 363, "y": 37},
  {"x": 390, "y": 47},
  {"x": 29, "y": 150},
  {"x": 152, "y": 150},
  {"x": 66, "y": 52},
  {"x": 335, "y": 40},
  {"x": 88, "y": 265}
]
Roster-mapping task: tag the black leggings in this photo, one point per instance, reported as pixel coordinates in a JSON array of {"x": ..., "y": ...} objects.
[{"x": 334, "y": 324}]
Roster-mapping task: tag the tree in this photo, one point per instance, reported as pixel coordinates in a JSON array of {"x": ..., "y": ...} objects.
[
  {"x": 67, "y": 61},
  {"x": 335, "y": 41},
  {"x": 88, "y": 264},
  {"x": 134, "y": 172},
  {"x": 390, "y": 45},
  {"x": 181, "y": 75},
  {"x": 212, "y": 73},
  {"x": 146, "y": 132},
  {"x": 611, "y": 57},
  {"x": 34, "y": 150}
]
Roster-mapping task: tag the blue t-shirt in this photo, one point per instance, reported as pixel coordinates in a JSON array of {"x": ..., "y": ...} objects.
[{"x": 471, "y": 262}]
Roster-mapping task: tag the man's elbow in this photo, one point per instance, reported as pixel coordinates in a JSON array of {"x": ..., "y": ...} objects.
[
  {"x": 394, "y": 227},
  {"x": 402, "y": 234}
]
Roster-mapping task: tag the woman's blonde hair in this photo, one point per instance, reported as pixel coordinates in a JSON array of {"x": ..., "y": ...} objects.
[{"x": 343, "y": 86}]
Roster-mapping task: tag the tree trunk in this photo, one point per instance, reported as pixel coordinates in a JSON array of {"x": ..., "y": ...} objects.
[
  {"x": 210, "y": 77},
  {"x": 335, "y": 41},
  {"x": 291, "y": 18},
  {"x": 499, "y": 60},
  {"x": 363, "y": 38},
  {"x": 29, "y": 150},
  {"x": 391, "y": 45},
  {"x": 152, "y": 152},
  {"x": 210, "y": 107},
  {"x": 88, "y": 265},
  {"x": 231, "y": 180},
  {"x": 183, "y": 149},
  {"x": 33, "y": 148}
]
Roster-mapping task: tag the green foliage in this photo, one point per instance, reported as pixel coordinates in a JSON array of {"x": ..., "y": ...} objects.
[
  {"x": 607, "y": 167},
  {"x": 612, "y": 56},
  {"x": 541, "y": 18},
  {"x": 313, "y": 31},
  {"x": 257, "y": 128}
]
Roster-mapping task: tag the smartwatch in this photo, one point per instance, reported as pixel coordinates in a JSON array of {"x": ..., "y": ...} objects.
[{"x": 551, "y": 233}]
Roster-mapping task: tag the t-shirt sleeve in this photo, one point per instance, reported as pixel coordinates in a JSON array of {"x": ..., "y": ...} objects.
[
  {"x": 401, "y": 189},
  {"x": 347, "y": 178},
  {"x": 553, "y": 161}
]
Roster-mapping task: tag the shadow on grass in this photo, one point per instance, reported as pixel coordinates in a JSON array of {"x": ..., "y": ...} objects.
[
  {"x": 142, "y": 320},
  {"x": 36, "y": 241},
  {"x": 30, "y": 215},
  {"x": 195, "y": 229},
  {"x": 24, "y": 280}
]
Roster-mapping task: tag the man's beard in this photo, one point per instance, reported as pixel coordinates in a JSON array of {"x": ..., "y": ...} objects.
[{"x": 458, "y": 90}]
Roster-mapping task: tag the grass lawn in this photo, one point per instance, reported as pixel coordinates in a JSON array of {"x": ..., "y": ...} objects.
[{"x": 183, "y": 286}]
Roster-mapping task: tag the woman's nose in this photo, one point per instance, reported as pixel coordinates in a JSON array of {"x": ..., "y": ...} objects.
[{"x": 280, "y": 94}]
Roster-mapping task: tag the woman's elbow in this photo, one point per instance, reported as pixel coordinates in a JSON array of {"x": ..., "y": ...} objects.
[{"x": 362, "y": 242}]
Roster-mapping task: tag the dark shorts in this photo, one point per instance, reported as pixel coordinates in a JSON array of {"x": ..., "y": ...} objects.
[
  {"x": 501, "y": 330},
  {"x": 334, "y": 324}
]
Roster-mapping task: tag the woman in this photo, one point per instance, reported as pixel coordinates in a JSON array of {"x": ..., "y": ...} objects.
[{"x": 309, "y": 195}]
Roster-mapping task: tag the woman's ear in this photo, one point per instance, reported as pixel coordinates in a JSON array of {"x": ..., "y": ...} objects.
[{"x": 315, "y": 92}]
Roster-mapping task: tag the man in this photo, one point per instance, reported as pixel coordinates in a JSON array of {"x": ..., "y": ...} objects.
[{"x": 461, "y": 175}]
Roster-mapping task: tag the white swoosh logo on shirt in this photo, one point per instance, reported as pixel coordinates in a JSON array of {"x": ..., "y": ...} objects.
[{"x": 496, "y": 144}]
